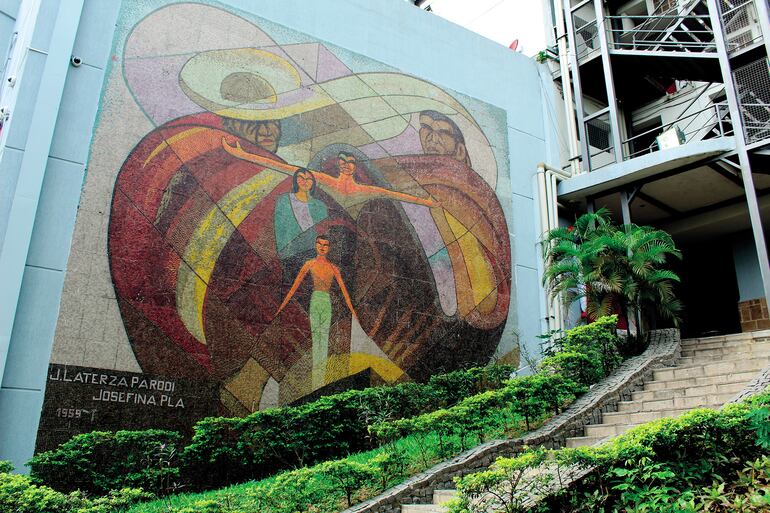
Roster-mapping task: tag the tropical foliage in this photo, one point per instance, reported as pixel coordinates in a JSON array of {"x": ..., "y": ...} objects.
[
  {"x": 616, "y": 269},
  {"x": 703, "y": 461}
]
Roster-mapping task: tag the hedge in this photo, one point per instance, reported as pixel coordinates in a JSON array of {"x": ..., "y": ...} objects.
[{"x": 227, "y": 450}]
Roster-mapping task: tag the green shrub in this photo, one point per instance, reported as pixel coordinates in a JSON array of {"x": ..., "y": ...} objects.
[
  {"x": 6, "y": 467},
  {"x": 348, "y": 476},
  {"x": 116, "y": 500},
  {"x": 19, "y": 495},
  {"x": 668, "y": 464},
  {"x": 503, "y": 487},
  {"x": 101, "y": 461},
  {"x": 226, "y": 450},
  {"x": 586, "y": 354}
]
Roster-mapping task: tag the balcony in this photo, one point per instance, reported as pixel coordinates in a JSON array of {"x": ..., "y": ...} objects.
[{"x": 693, "y": 126}]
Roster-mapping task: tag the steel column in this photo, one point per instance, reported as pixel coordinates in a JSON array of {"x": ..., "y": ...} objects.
[
  {"x": 740, "y": 144},
  {"x": 609, "y": 81},
  {"x": 573, "y": 62}
]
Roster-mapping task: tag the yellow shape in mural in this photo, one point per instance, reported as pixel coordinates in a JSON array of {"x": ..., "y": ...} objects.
[
  {"x": 354, "y": 363},
  {"x": 480, "y": 273},
  {"x": 208, "y": 241}
]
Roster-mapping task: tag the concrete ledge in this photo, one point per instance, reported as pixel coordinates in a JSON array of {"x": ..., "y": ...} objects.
[{"x": 664, "y": 350}]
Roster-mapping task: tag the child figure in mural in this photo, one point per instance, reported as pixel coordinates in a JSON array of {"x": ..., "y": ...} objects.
[{"x": 323, "y": 273}]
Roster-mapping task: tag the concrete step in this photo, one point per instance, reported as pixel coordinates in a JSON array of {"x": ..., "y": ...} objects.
[
  {"x": 744, "y": 377},
  {"x": 674, "y": 403},
  {"x": 442, "y": 496},
  {"x": 690, "y": 391},
  {"x": 714, "y": 344},
  {"x": 728, "y": 352},
  {"x": 422, "y": 508},
  {"x": 583, "y": 441},
  {"x": 720, "y": 368},
  {"x": 605, "y": 430},
  {"x": 616, "y": 423},
  {"x": 641, "y": 417},
  {"x": 732, "y": 336}
]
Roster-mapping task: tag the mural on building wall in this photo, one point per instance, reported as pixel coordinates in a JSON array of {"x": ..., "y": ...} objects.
[{"x": 300, "y": 219}]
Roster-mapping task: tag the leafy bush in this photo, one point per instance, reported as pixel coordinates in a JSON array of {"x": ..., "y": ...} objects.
[
  {"x": 6, "y": 467},
  {"x": 101, "y": 461},
  {"x": 586, "y": 354},
  {"x": 506, "y": 486},
  {"x": 18, "y": 494},
  {"x": 530, "y": 397},
  {"x": 677, "y": 465},
  {"x": 225, "y": 450}
]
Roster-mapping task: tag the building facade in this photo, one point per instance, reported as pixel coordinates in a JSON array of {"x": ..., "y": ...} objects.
[
  {"x": 210, "y": 208},
  {"x": 667, "y": 123}
]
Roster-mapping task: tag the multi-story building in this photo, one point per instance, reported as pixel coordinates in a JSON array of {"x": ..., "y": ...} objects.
[{"x": 667, "y": 123}]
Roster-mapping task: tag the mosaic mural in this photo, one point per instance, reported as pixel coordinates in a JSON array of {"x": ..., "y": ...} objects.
[{"x": 299, "y": 219}]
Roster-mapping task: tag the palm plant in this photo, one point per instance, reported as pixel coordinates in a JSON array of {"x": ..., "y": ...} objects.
[{"x": 616, "y": 269}]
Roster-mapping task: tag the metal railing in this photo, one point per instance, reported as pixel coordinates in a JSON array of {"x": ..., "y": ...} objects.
[
  {"x": 756, "y": 121},
  {"x": 709, "y": 122},
  {"x": 657, "y": 36},
  {"x": 741, "y": 24},
  {"x": 716, "y": 124},
  {"x": 752, "y": 85}
]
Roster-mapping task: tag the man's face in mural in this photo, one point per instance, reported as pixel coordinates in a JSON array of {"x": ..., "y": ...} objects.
[
  {"x": 268, "y": 134},
  {"x": 322, "y": 246},
  {"x": 264, "y": 134},
  {"x": 441, "y": 137},
  {"x": 347, "y": 164}
]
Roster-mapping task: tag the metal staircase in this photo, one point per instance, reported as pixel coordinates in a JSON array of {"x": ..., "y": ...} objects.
[{"x": 679, "y": 28}]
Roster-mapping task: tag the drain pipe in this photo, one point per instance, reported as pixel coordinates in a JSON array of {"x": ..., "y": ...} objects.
[
  {"x": 547, "y": 181},
  {"x": 566, "y": 89}
]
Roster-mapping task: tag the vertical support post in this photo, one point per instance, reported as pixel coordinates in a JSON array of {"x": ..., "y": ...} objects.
[
  {"x": 763, "y": 13},
  {"x": 566, "y": 87},
  {"x": 575, "y": 67},
  {"x": 740, "y": 143},
  {"x": 625, "y": 208},
  {"x": 609, "y": 80}
]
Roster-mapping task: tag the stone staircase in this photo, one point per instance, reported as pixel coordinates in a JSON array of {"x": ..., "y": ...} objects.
[
  {"x": 710, "y": 372},
  {"x": 439, "y": 498}
]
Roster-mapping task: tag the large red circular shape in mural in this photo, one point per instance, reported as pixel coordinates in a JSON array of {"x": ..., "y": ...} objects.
[{"x": 199, "y": 270}]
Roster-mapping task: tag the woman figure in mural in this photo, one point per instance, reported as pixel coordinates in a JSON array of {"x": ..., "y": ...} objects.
[
  {"x": 344, "y": 185},
  {"x": 323, "y": 273},
  {"x": 296, "y": 215}
]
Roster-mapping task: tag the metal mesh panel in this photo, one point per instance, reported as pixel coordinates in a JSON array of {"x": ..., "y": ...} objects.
[
  {"x": 586, "y": 36},
  {"x": 599, "y": 135},
  {"x": 752, "y": 85},
  {"x": 741, "y": 23}
]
